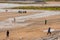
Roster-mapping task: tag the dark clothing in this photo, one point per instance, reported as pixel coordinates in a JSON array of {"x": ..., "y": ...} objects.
[
  {"x": 7, "y": 34},
  {"x": 45, "y": 22},
  {"x": 49, "y": 31}
]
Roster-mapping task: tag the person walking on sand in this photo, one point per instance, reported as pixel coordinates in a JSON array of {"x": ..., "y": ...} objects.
[{"x": 49, "y": 31}]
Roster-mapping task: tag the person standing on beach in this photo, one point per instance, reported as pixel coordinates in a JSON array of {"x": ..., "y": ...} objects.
[
  {"x": 49, "y": 31},
  {"x": 14, "y": 20},
  {"x": 45, "y": 22},
  {"x": 7, "y": 33},
  {"x": 6, "y": 10}
]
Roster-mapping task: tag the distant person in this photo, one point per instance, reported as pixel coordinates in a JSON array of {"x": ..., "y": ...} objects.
[
  {"x": 14, "y": 20},
  {"x": 19, "y": 11},
  {"x": 6, "y": 10},
  {"x": 7, "y": 33},
  {"x": 45, "y": 22},
  {"x": 24, "y": 12},
  {"x": 49, "y": 31}
]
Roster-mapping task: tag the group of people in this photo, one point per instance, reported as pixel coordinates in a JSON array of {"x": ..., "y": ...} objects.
[
  {"x": 22, "y": 11},
  {"x": 19, "y": 11},
  {"x": 49, "y": 29}
]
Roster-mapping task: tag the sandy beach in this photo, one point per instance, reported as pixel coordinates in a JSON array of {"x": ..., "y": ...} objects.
[{"x": 33, "y": 31}]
